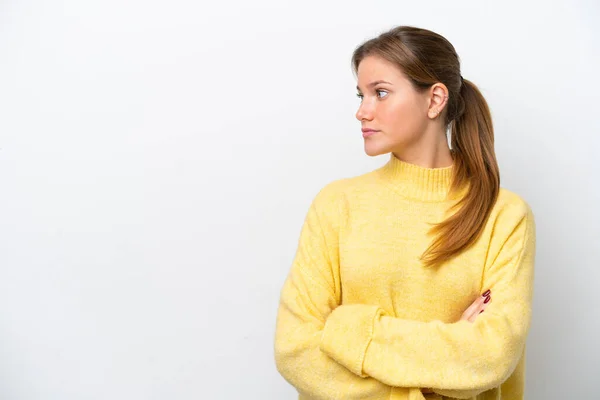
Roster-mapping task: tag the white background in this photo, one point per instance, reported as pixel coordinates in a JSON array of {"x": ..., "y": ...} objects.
[{"x": 157, "y": 160}]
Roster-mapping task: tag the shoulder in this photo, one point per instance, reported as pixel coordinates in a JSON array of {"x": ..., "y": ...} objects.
[
  {"x": 352, "y": 184},
  {"x": 510, "y": 204},
  {"x": 337, "y": 192},
  {"x": 511, "y": 216},
  {"x": 331, "y": 195}
]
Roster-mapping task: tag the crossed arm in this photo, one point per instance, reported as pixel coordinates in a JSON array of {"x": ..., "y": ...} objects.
[{"x": 328, "y": 350}]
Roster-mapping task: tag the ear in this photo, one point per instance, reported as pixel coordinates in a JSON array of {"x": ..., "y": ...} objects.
[{"x": 438, "y": 98}]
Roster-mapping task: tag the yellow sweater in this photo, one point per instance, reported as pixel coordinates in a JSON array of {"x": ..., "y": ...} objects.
[{"x": 360, "y": 317}]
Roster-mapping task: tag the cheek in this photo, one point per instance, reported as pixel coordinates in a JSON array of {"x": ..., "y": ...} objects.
[{"x": 401, "y": 117}]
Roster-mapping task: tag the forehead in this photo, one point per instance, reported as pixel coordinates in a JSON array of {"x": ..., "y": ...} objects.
[{"x": 373, "y": 68}]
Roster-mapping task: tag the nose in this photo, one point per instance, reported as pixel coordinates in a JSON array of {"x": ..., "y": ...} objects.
[{"x": 365, "y": 111}]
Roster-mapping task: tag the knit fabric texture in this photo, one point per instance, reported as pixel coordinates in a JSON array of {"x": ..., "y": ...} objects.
[{"x": 361, "y": 317}]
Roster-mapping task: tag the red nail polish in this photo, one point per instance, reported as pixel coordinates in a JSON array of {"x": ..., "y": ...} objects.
[
  {"x": 487, "y": 299},
  {"x": 486, "y": 293},
  {"x": 481, "y": 311}
]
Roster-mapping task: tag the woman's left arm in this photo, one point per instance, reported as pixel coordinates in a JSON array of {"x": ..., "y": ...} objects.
[{"x": 458, "y": 359}]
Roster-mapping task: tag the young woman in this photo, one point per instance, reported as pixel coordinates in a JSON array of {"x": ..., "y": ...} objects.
[{"x": 388, "y": 296}]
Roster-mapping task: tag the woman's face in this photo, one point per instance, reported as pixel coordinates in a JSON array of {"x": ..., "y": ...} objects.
[{"x": 391, "y": 106}]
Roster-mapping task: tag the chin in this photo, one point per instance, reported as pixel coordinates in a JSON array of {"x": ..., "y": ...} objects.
[{"x": 372, "y": 150}]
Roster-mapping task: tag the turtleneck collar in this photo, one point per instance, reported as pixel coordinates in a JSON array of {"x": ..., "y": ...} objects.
[{"x": 416, "y": 182}]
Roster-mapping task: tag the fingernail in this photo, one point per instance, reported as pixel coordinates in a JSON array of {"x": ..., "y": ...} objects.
[
  {"x": 481, "y": 311},
  {"x": 486, "y": 293},
  {"x": 487, "y": 299}
]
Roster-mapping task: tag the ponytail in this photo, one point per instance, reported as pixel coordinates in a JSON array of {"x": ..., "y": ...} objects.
[{"x": 475, "y": 167}]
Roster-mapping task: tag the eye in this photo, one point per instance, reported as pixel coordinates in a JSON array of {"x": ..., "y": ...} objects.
[
  {"x": 360, "y": 96},
  {"x": 379, "y": 90}
]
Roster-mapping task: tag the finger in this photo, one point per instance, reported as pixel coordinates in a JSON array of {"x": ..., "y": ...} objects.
[
  {"x": 475, "y": 306},
  {"x": 482, "y": 308},
  {"x": 472, "y": 308}
]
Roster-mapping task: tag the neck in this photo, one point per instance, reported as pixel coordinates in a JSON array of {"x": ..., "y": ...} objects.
[{"x": 428, "y": 154}]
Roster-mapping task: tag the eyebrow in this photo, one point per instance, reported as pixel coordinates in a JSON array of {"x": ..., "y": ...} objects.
[{"x": 374, "y": 83}]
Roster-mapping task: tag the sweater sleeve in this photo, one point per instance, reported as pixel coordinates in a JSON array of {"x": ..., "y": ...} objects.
[
  {"x": 458, "y": 359},
  {"x": 310, "y": 292}
]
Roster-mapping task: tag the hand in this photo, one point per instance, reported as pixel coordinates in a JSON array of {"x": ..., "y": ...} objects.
[{"x": 476, "y": 308}]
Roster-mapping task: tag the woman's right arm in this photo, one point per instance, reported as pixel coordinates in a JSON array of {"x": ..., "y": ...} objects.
[{"x": 309, "y": 294}]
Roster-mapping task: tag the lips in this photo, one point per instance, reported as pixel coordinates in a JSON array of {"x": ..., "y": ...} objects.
[{"x": 368, "y": 132}]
